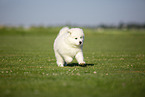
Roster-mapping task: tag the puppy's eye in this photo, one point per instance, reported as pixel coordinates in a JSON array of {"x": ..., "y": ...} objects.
[
  {"x": 76, "y": 38},
  {"x": 81, "y": 37}
]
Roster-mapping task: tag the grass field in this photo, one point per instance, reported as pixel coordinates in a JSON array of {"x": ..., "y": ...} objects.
[{"x": 115, "y": 64}]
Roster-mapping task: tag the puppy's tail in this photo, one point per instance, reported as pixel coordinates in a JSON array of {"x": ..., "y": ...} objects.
[{"x": 63, "y": 30}]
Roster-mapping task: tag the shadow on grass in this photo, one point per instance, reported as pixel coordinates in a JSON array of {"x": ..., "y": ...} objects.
[{"x": 76, "y": 64}]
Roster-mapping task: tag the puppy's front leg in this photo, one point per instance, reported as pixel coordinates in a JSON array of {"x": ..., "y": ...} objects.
[{"x": 79, "y": 57}]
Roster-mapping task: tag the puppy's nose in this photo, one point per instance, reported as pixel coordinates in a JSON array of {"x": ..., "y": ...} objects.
[{"x": 80, "y": 42}]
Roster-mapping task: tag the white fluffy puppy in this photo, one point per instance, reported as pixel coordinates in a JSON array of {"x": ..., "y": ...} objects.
[{"x": 68, "y": 44}]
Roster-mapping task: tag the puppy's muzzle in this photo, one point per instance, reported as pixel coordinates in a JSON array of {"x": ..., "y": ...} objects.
[{"x": 80, "y": 42}]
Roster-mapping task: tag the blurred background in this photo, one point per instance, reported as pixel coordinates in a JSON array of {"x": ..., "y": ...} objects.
[{"x": 90, "y": 13}]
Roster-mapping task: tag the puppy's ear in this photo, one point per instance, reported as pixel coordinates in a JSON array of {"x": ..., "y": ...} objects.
[{"x": 69, "y": 31}]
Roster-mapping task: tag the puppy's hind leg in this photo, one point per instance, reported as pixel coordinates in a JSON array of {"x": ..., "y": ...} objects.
[
  {"x": 68, "y": 59},
  {"x": 60, "y": 61}
]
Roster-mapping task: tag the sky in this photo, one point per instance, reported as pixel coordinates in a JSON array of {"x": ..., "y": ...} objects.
[{"x": 75, "y": 12}]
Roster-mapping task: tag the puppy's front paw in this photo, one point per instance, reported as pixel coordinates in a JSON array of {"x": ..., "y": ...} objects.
[{"x": 82, "y": 63}]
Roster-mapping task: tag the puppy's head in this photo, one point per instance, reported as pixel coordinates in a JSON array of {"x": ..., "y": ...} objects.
[{"x": 76, "y": 36}]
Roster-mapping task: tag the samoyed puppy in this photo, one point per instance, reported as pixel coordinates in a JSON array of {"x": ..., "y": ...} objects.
[{"x": 67, "y": 45}]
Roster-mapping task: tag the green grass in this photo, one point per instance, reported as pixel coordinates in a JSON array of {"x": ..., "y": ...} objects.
[{"x": 115, "y": 58}]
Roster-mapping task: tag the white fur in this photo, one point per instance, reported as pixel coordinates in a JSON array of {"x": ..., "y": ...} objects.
[{"x": 67, "y": 45}]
